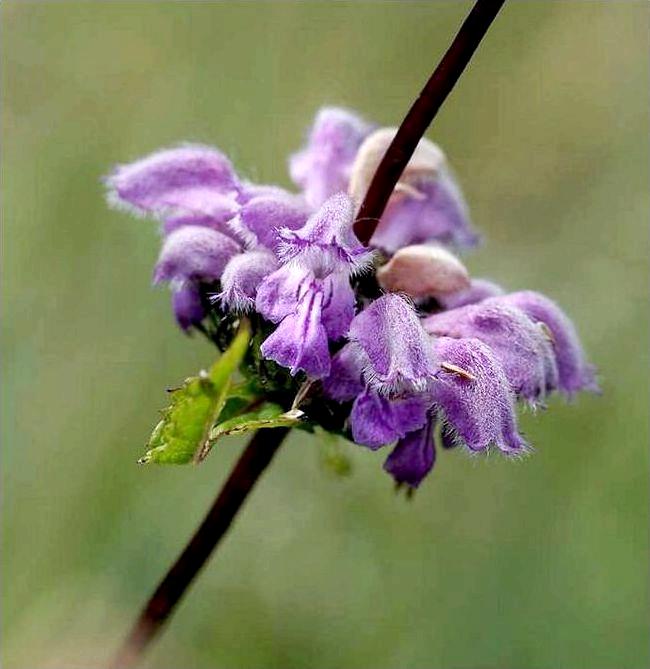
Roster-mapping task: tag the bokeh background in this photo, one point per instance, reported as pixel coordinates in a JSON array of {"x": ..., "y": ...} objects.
[{"x": 538, "y": 564}]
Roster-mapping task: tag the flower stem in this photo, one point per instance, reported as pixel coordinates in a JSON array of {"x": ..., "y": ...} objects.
[
  {"x": 264, "y": 444},
  {"x": 422, "y": 113},
  {"x": 253, "y": 461}
]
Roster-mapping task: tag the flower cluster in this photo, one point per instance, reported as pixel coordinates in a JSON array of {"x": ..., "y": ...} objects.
[{"x": 396, "y": 344}]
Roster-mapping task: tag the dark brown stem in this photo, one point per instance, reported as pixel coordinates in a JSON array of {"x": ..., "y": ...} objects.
[
  {"x": 421, "y": 113},
  {"x": 253, "y": 461}
]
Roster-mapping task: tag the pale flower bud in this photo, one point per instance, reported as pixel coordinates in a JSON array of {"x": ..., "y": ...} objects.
[
  {"x": 423, "y": 271},
  {"x": 427, "y": 159}
]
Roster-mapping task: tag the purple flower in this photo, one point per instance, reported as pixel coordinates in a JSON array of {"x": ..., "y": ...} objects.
[
  {"x": 397, "y": 352},
  {"x": 323, "y": 167},
  {"x": 434, "y": 211},
  {"x": 478, "y": 290},
  {"x": 575, "y": 373},
  {"x": 477, "y": 407},
  {"x": 377, "y": 420},
  {"x": 187, "y": 306},
  {"x": 194, "y": 253},
  {"x": 345, "y": 381},
  {"x": 262, "y": 216},
  {"x": 521, "y": 345},
  {"x": 189, "y": 180},
  {"x": 326, "y": 243},
  {"x": 242, "y": 276},
  {"x": 300, "y": 341},
  {"x": 413, "y": 456}
]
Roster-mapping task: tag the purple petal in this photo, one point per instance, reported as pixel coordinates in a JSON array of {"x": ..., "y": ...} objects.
[
  {"x": 480, "y": 410},
  {"x": 187, "y": 180},
  {"x": 279, "y": 293},
  {"x": 194, "y": 253},
  {"x": 479, "y": 290},
  {"x": 398, "y": 352},
  {"x": 338, "y": 308},
  {"x": 438, "y": 213},
  {"x": 300, "y": 341},
  {"x": 413, "y": 457},
  {"x": 345, "y": 379},
  {"x": 262, "y": 216},
  {"x": 575, "y": 373},
  {"x": 322, "y": 168},
  {"x": 242, "y": 276},
  {"x": 187, "y": 306},
  {"x": 376, "y": 420},
  {"x": 521, "y": 345},
  {"x": 327, "y": 241}
]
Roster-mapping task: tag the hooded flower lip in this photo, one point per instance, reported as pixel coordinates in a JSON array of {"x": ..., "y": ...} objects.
[
  {"x": 413, "y": 457},
  {"x": 323, "y": 166},
  {"x": 575, "y": 373},
  {"x": 525, "y": 353},
  {"x": 261, "y": 217},
  {"x": 397, "y": 351},
  {"x": 326, "y": 242},
  {"x": 479, "y": 411},
  {"x": 242, "y": 276},
  {"x": 187, "y": 180},
  {"x": 194, "y": 253},
  {"x": 279, "y": 293}
]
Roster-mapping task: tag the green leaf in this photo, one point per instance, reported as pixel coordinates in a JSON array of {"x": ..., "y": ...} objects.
[
  {"x": 265, "y": 415},
  {"x": 195, "y": 407}
]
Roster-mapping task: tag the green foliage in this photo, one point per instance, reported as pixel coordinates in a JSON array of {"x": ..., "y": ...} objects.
[{"x": 182, "y": 433}]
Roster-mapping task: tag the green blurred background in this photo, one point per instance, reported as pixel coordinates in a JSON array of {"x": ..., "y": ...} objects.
[{"x": 536, "y": 564}]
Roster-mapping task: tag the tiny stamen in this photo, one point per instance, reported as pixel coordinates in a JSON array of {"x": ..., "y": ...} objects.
[{"x": 454, "y": 369}]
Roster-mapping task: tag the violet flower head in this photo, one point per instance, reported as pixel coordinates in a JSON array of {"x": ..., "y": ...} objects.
[
  {"x": 323, "y": 167},
  {"x": 397, "y": 352},
  {"x": 356, "y": 360}
]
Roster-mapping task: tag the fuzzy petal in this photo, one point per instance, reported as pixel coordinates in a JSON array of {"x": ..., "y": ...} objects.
[
  {"x": 480, "y": 410},
  {"x": 413, "y": 456},
  {"x": 300, "y": 341},
  {"x": 323, "y": 167},
  {"x": 186, "y": 180},
  {"x": 326, "y": 242},
  {"x": 338, "y": 308},
  {"x": 187, "y": 306},
  {"x": 242, "y": 276},
  {"x": 521, "y": 345},
  {"x": 435, "y": 213},
  {"x": 575, "y": 373},
  {"x": 377, "y": 421},
  {"x": 398, "y": 352},
  {"x": 262, "y": 216},
  {"x": 478, "y": 290},
  {"x": 194, "y": 253},
  {"x": 279, "y": 293}
]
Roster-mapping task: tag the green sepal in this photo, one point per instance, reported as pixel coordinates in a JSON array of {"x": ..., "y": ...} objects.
[{"x": 196, "y": 406}]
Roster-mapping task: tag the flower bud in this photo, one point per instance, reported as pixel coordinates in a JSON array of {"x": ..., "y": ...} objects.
[{"x": 423, "y": 271}]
